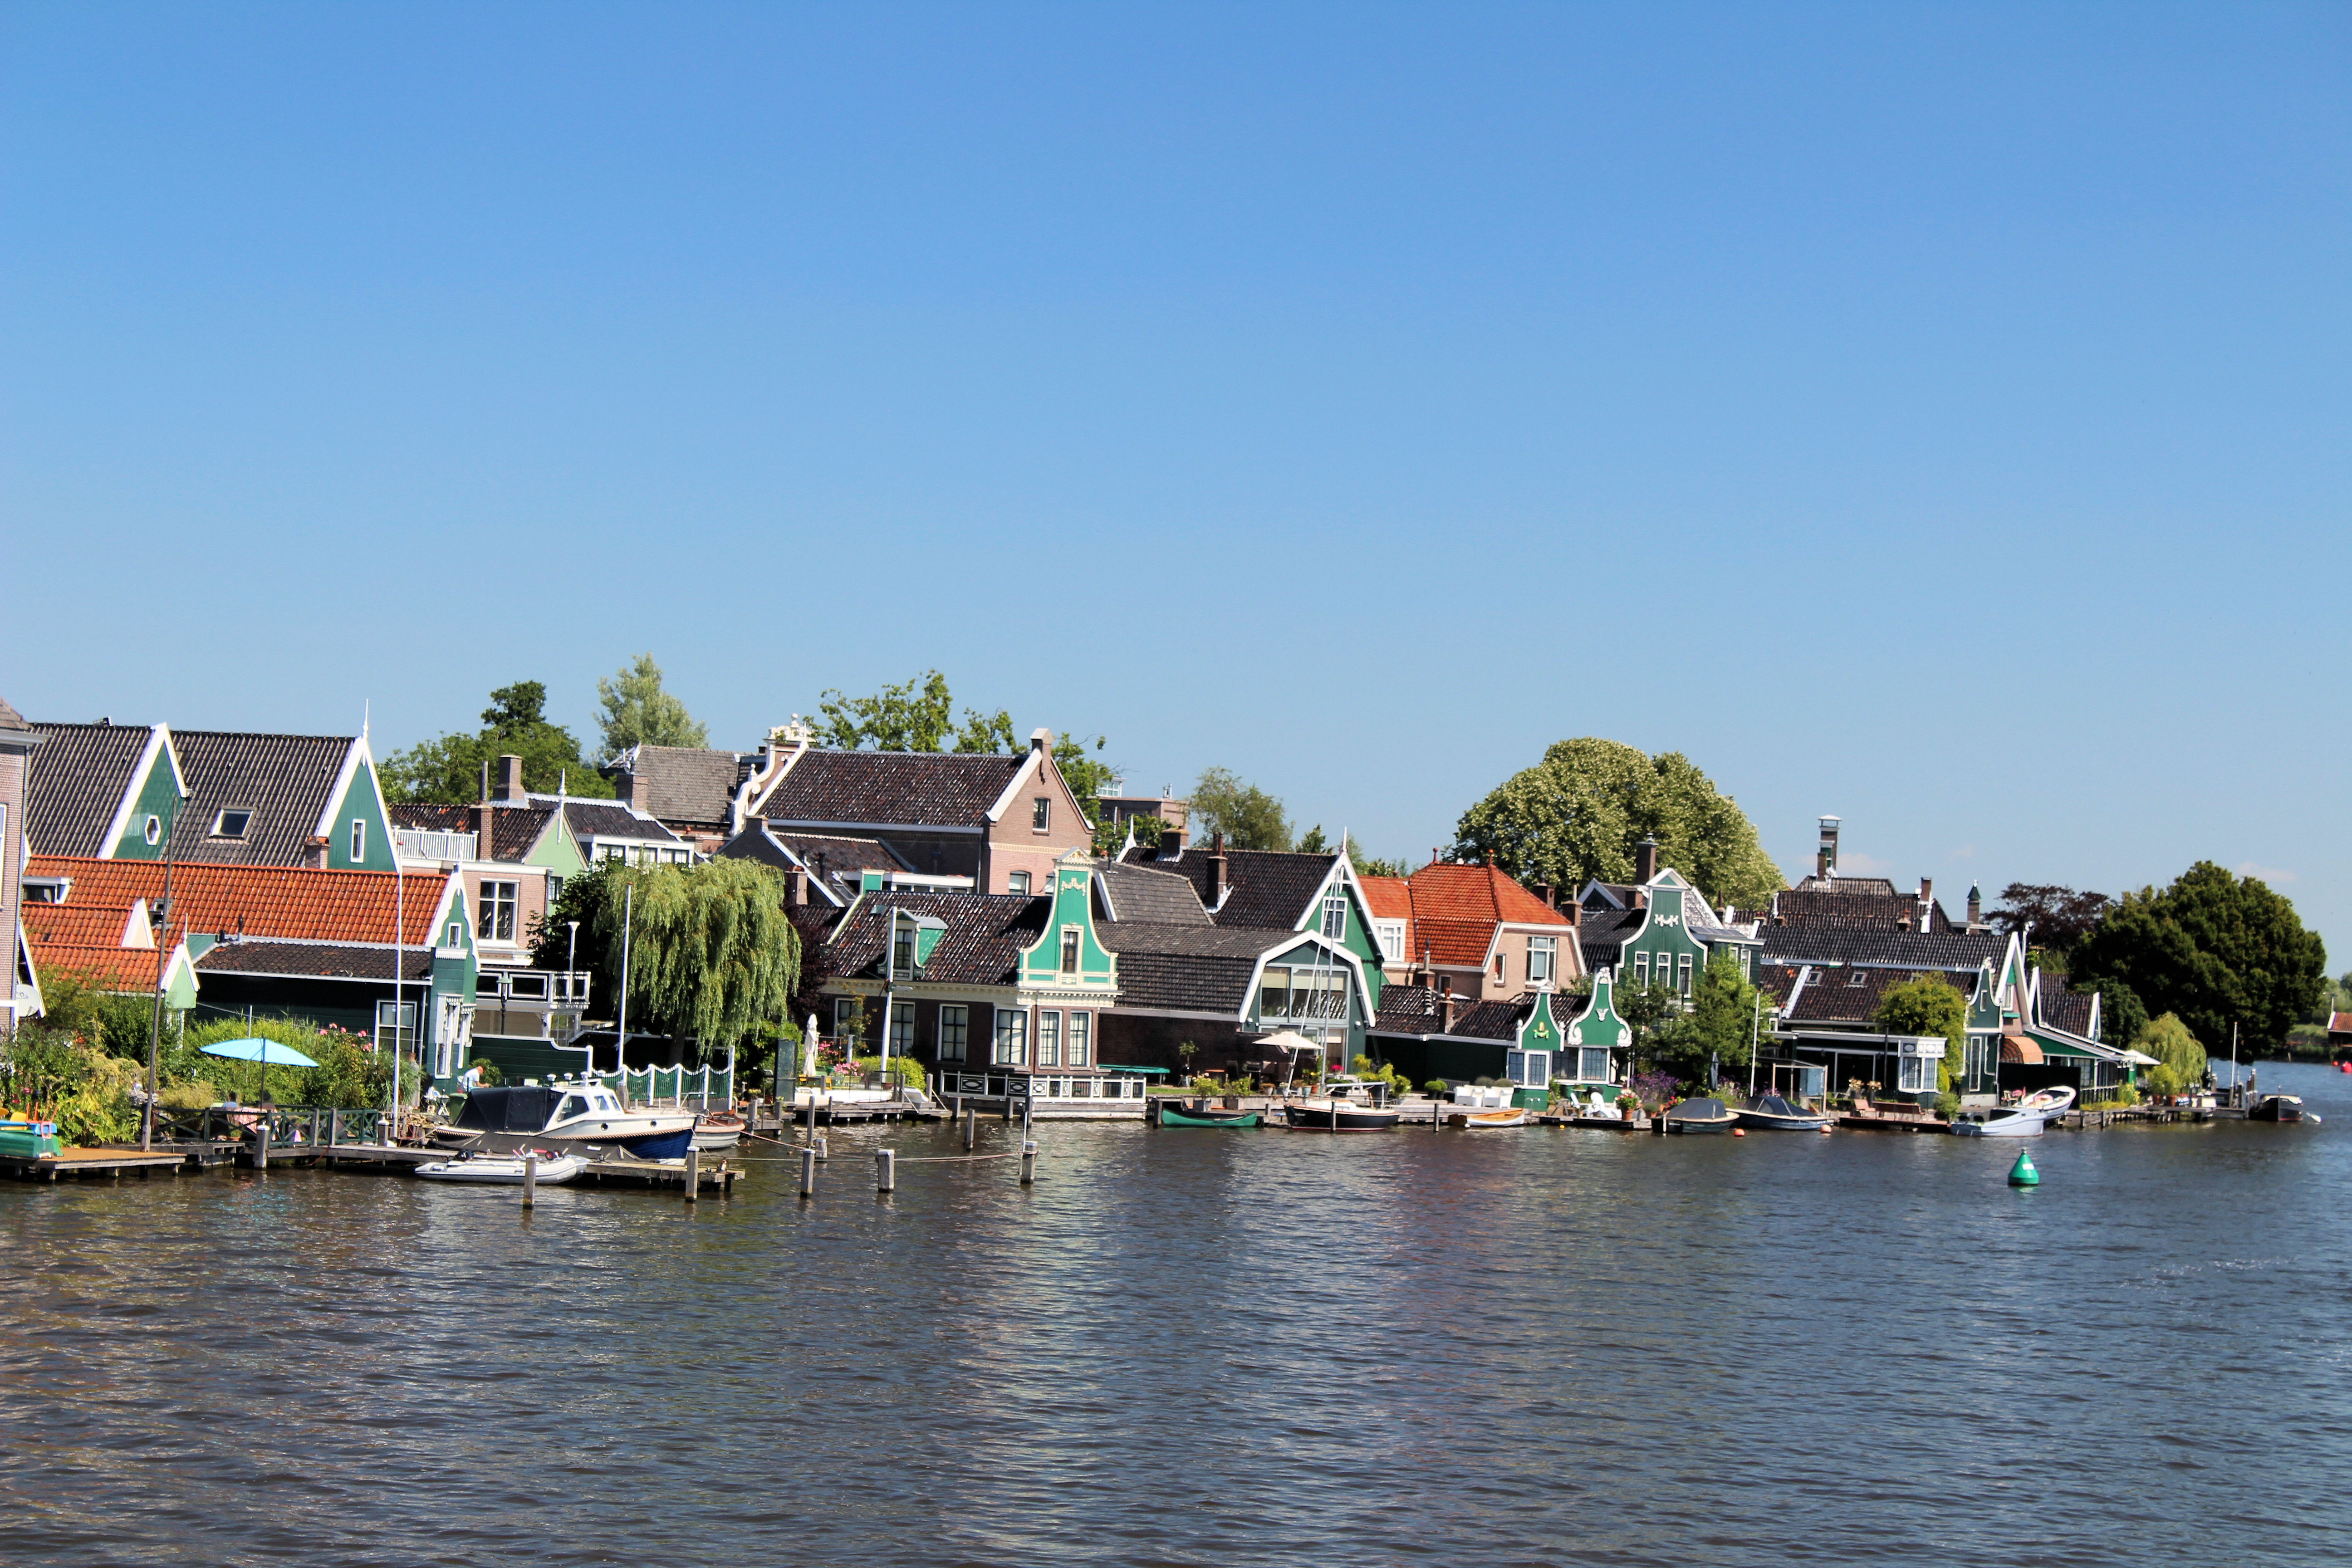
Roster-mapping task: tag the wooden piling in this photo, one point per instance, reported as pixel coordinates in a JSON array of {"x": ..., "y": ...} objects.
[
  {"x": 261, "y": 1144},
  {"x": 808, "y": 1171},
  {"x": 529, "y": 1177},
  {"x": 886, "y": 1175},
  {"x": 1028, "y": 1163},
  {"x": 693, "y": 1174},
  {"x": 822, "y": 1153}
]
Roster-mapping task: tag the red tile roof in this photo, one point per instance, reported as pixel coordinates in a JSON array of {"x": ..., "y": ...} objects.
[
  {"x": 1455, "y": 910},
  {"x": 78, "y": 924},
  {"x": 100, "y": 968},
  {"x": 272, "y": 901}
]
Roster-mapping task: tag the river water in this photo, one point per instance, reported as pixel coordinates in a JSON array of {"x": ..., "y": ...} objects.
[{"x": 1205, "y": 1347}]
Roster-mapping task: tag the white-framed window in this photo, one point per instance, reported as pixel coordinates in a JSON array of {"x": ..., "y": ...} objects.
[
  {"x": 154, "y": 831},
  {"x": 1641, "y": 968},
  {"x": 498, "y": 902},
  {"x": 1528, "y": 1069},
  {"x": 1069, "y": 950},
  {"x": 1909, "y": 1072},
  {"x": 1017, "y": 883},
  {"x": 554, "y": 891},
  {"x": 954, "y": 1024},
  {"x": 359, "y": 839},
  {"x": 1594, "y": 1069},
  {"x": 1082, "y": 1031},
  {"x": 902, "y": 1031},
  {"x": 456, "y": 935},
  {"x": 395, "y": 1024},
  {"x": 1041, "y": 815},
  {"x": 1049, "y": 1039},
  {"x": 1683, "y": 973},
  {"x": 1542, "y": 950},
  {"x": 1391, "y": 936},
  {"x": 1334, "y": 915},
  {"x": 844, "y": 1017},
  {"x": 232, "y": 822},
  {"x": 902, "y": 952},
  {"x": 1502, "y": 966},
  {"x": 1011, "y": 1049}
]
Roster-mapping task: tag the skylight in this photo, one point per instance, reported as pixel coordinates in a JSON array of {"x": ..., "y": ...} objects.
[{"x": 232, "y": 822}]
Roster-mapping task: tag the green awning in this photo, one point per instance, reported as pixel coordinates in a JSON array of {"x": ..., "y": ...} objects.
[
  {"x": 2054, "y": 1045},
  {"x": 1148, "y": 1072}
]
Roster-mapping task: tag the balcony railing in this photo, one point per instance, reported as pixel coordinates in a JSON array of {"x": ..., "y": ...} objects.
[
  {"x": 545, "y": 1003},
  {"x": 430, "y": 844}
]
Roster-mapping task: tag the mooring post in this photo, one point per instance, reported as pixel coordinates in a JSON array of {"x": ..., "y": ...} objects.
[
  {"x": 529, "y": 1177},
  {"x": 693, "y": 1173},
  {"x": 885, "y": 1175},
  {"x": 808, "y": 1171},
  {"x": 1028, "y": 1163},
  {"x": 812, "y": 1114},
  {"x": 970, "y": 1127},
  {"x": 334, "y": 1132},
  {"x": 822, "y": 1152},
  {"x": 261, "y": 1143}
]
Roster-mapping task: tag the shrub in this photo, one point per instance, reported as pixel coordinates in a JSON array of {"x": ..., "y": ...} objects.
[
  {"x": 58, "y": 1077},
  {"x": 1437, "y": 1089}
]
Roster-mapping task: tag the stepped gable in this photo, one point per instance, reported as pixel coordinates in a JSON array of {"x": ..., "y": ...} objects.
[
  {"x": 282, "y": 902},
  {"x": 74, "y": 782},
  {"x": 1145, "y": 895},
  {"x": 986, "y": 936},
  {"x": 285, "y": 781},
  {"x": 896, "y": 789}
]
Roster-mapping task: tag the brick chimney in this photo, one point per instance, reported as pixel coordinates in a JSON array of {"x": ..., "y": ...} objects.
[
  {"x": 1926, "y": 902},
  {"x": 1041, "y": 738},
  {"x": 314, "y": 858},
  {"x": 1216, "y": 869},
  {"x": 1825, "y": 863},
  {"x": 797, "y": 896},
  {"x": 1976, "y": 907},
  {"x": 510, "y": 789},
  {"x": 481, "y": 826},
  {"x": 1575, "y": 913},
  {"x": 1645, "y": 861},
  {"x": 1550, "y": 896}
]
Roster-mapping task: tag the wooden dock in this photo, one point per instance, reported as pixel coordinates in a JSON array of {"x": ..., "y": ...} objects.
[{"x": 82, "y": 1163}]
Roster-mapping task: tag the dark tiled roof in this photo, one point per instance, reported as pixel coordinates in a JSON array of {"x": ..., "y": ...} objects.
[
  {"x": 1843, "y": 995},
  {"x": 514, "y": 830},
  {"x": 1267, "y": 888},
  {"x": 313, "y": 959},
  {"x": 917, "y": 789},
  {"x": 841, "y": 853},
  {"x": 981, "y": 946},
  {"x": 686, "y": 784},
  {"x": 1602, "y": 936},
  {"x": 1947, "y": 950},
  {"x": 1847, "y": 886},
  {"x": 2063, "y": 1007},
  {"x": 1855, "y": 911},
  {"x": 76, "y": 782},
  {"x": 1191, "y": 968},
  {"x": 430, "y": 817},
  {"x": 1420, "y": 1010},
  {"x": 608, "y": 819},
  {"x": 1158, "y": 897},
  {"x": 283, "y": 780}
]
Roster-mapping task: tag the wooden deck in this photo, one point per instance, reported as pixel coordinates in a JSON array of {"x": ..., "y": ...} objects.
[{"x": 81, "y": 1162}]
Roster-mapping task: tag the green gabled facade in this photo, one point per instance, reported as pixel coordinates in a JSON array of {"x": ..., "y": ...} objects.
[
  {"x": 152, "y": 804},
  {"x": 357, "y": 798},
  {"x": 1596, "y": 1038},
  {"x": 1069, "y": 955},
  {"x": 1663, "y": 950}
]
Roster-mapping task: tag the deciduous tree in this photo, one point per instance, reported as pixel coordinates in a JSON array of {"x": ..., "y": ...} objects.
[
  {"x": 2180, "y": 1058},
  {"x": 638, "y": 713},
  {"x": 2213, "y": 948},
  {"x": 449, "y": 769},
  {"x": 2060, "y": 917},
  {"x": 1248, "y": 816},
  {"x": 1929, "y": 1005}
]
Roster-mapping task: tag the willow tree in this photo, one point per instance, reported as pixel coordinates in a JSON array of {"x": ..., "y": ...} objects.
[{"x": 711, "y": 954}]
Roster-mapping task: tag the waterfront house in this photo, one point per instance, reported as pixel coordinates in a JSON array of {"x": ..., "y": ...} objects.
[
  {"x": 1658, "y": 930},
  {"x": 1218, "y": 948},
  {"x": 1471, "y": 931},
  {"x": 836, "y": 867}
]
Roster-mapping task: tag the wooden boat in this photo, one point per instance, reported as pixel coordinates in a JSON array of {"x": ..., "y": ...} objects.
[
  {"x": 1486, "y": 1120},
  {"x": 1772, "y": 1113},
  {"x": 2027, "y": 1119},
  {"x": 2276, "y": 1108},
  {"x": 1177, "y": 1115},
  {"x": 1700, "y": 1116},
  {"x": 503, "y": 1170},
  {"x": 718, "y": 1130},
  {"x": 1340, "y": 1116}
]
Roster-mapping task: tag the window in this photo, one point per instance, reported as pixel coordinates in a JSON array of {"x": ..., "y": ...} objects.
[
  {"x": 1541, "y": 950},
  {"x": 1274, "y": 993},
  {"x": 1502, "y": 965},
  {"x": 395, "y": 1024},
  {"x": 1908, "y": 1073},
  {"x": 902, "y": 1031},
  {"x": 554, "y": 891},
  {"x": 953, "y": 1022},
  {"x": 154, "y": 831},
  {"x": 1069, "y": 950},
  {"x": 902, "y": 952},
  {"x": 1082, "y": 1029},
  {"x": 1683, "y": 973},
  {"x": 845, "y": 1018},
  {"x": 1017, "y": 883},
  {"x": 1528, "y": 1069},
  {"x": 499, "y": 901},
  {"x": 359, "y": 839},
  {"x": 456, "y": 935},
  {"x": 1049, "y": 1039},
  {"x": 1641, "y": 968},
  {"x": 1012, "y": 1038},
  {"x": 1041, "y": 815},
  {"x": 1335, "y": 916},
  {"x": 232, "y": 822},
  {"x": 1392, "y": 939},
  {"x": 1595, "y": 1068}
]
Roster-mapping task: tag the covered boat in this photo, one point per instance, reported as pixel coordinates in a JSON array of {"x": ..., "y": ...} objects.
[
  {"x": 1700, "y": 1116},
  {"x": 567, "y": 1115},
  {"x": 1772, "y": 1113},
  {"x": 1340, "y": 1116},
  {"x": 2276, "y": 1108},
  {"x": 1176, "y": 1113},
  {"x": 503, "y": 1170},
  {"x": 2027, "y": 1119}
]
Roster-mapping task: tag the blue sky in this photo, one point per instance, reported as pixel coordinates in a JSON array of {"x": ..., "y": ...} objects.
[{"x": 1935, "y": 416}]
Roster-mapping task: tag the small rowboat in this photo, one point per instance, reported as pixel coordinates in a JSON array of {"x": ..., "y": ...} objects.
[
  {"x": 503, "y": 1170},
  {"x": 1205, "y": 1116},
  {"x": 718, "y": 1130},
  {"x": 1339, "y": 1116},
  {"x": 1772, "y": 1113},
  {"x": 1486, "y": 1120}
]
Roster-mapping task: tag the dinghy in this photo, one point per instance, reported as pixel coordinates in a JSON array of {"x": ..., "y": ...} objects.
[
  {"x": 1486, "y": 1120},
  {"x": 1181, "y": 1115},
  {"x": 1772, "y": 1113},
  {"x": 2027, "y": 1119},
  {"x": 503, "y": 1170},
  {"x": 718, "y": 1130}
]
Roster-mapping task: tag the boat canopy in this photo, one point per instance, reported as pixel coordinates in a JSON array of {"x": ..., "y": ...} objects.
[
  {"x": 1148, "y": 1072},
  {"x": 507, "y": 1109}
]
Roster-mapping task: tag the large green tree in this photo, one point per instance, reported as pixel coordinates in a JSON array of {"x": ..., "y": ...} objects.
[
  {"x": 1580, "y": 812},
  {"x": 1248, "y": 816},
  {"x": 1929, "y": 1005},
  {"x": 635, "y": 711},
  {"x": 448, "y": 769},
  {"x": 916, "y": 715},
  {"x": 711, "y": 955},
  {"x": 2180, "y": 1058},
  {"x": 2215, "y": 950}
]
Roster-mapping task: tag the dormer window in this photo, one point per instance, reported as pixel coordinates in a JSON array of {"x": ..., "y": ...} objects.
[{"x": 232, "y": 822}]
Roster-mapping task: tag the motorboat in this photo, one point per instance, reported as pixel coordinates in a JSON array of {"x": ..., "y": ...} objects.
[
  {"x": 1773, "y": 1113},
  {"x": 569, "y": 1115},
  {"x": 2276, "y": 1108},
  {"x": 718, "y": 1130},
  {"x": 1340, "y": 1116},
  {"x": 1486, "y": 1120},
  {"x": 2029, "y": 1118},
  {"x": 504, "y": 1170},
  {"x": 1700, "y": 1116},
  {"x": 1179, "y": 1113}
]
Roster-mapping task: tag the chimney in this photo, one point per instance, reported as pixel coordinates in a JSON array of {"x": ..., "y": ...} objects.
[
  {"x": 797, "y": 896},
  {"x": 314, "y": 858},
  {"x": 1575, "y": 913},
  {"x": 1825, "y": 863},
  {"x": 1645, "y": 861},
  {"x": 1042, "y": 740},
  {"x": 1447, "y": 1008},
  {"x": 1550, "y": 896},
  {"x": 510, "y": 789},
  {"x": 1976, "y": 907},
  {"x": 1926, "y": 902},
  {"x": 1216, "y": 869},
  {"x": 481, "y": 825}
]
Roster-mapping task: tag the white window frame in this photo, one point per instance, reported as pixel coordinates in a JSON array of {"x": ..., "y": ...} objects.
[
  {"x": 1502, "y": 965},
  {"x": 1641, "y": 968},
  {"x": 1071, "y": 947},
  {"x": 359, "y": 839},
  {"x": 1082, "y": 1038},
  {"x": 1547, "y": 948},
  {"x": 1041, "y": 815},
  {"x": 1017, "y": 883},
  {"x": 400, "y": 1019},
  {"x": 1389, "y": 934},
  {"x": 1009, "y": 1045},
  {"x": 153, "y": 832},
  {"x": 1683, "y": 973},
  {"x": 1334, "y": 915},
  {"x": 498, "y": 898},
  {"x": 844, "y": 1009},
  {"x": 244, "y": 827},
  {"x": 955, "y": 1016},
  {"x": 455, "y": 933},
  {"x": 1049, "y": 1038}
]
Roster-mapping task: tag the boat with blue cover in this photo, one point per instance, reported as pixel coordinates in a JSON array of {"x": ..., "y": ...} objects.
[{"x": 569, "y": 1115}]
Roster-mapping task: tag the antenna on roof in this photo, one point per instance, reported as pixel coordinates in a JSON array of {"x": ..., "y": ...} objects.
[{"x": 365, "y": 706}]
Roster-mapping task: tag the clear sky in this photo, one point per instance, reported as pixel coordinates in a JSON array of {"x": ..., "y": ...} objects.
[{"x": 1936, "y": 415}]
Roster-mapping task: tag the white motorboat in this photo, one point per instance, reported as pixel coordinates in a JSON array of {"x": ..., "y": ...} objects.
[
  {"x": 504, "y": 1169},
  {"x": 2029, "y": 1118},
  {"x": 569, "y": 1115}
]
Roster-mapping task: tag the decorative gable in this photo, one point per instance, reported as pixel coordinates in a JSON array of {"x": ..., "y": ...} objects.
[
  {"x": 1538, "y": 1031},
  {"x": 1599, "y": 1026},
  {"x": 1068, "y": 952}
]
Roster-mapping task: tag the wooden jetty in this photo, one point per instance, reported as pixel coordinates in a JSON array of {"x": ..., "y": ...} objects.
[
  {"x": 107, "y": 1163},
  {"x": 1870, "y": 1117}
]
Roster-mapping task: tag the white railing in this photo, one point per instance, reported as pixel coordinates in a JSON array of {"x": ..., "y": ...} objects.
[{"x": 430, "y": 844}]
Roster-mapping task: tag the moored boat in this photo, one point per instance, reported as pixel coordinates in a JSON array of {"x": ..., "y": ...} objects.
[
  {"x": 2029, "y": 1118},
  {"x": 1486, "y": 1120},
  {"x": 2276, "y": 1108},
  {"x": 569, "y": 1115},
  {"x": 718, "y": 1130},
  {"x": 1339, "y": 1116},
  {"x": 1180, "y": 1115},
  {"x": 504, "y": 1169},
  {"x": 1700, "y": 1116},
  {"x": 1772, "y": 1113}
]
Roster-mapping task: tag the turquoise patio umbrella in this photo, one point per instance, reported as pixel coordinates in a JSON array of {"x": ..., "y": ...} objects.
[{"x": 269, "y": 1053}]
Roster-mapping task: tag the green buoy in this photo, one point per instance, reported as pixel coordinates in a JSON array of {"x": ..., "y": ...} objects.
[{"x": 2023, "y": 1173}]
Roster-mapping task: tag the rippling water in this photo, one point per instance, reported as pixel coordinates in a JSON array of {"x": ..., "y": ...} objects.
[{"x": 1207, "y": 1347}]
